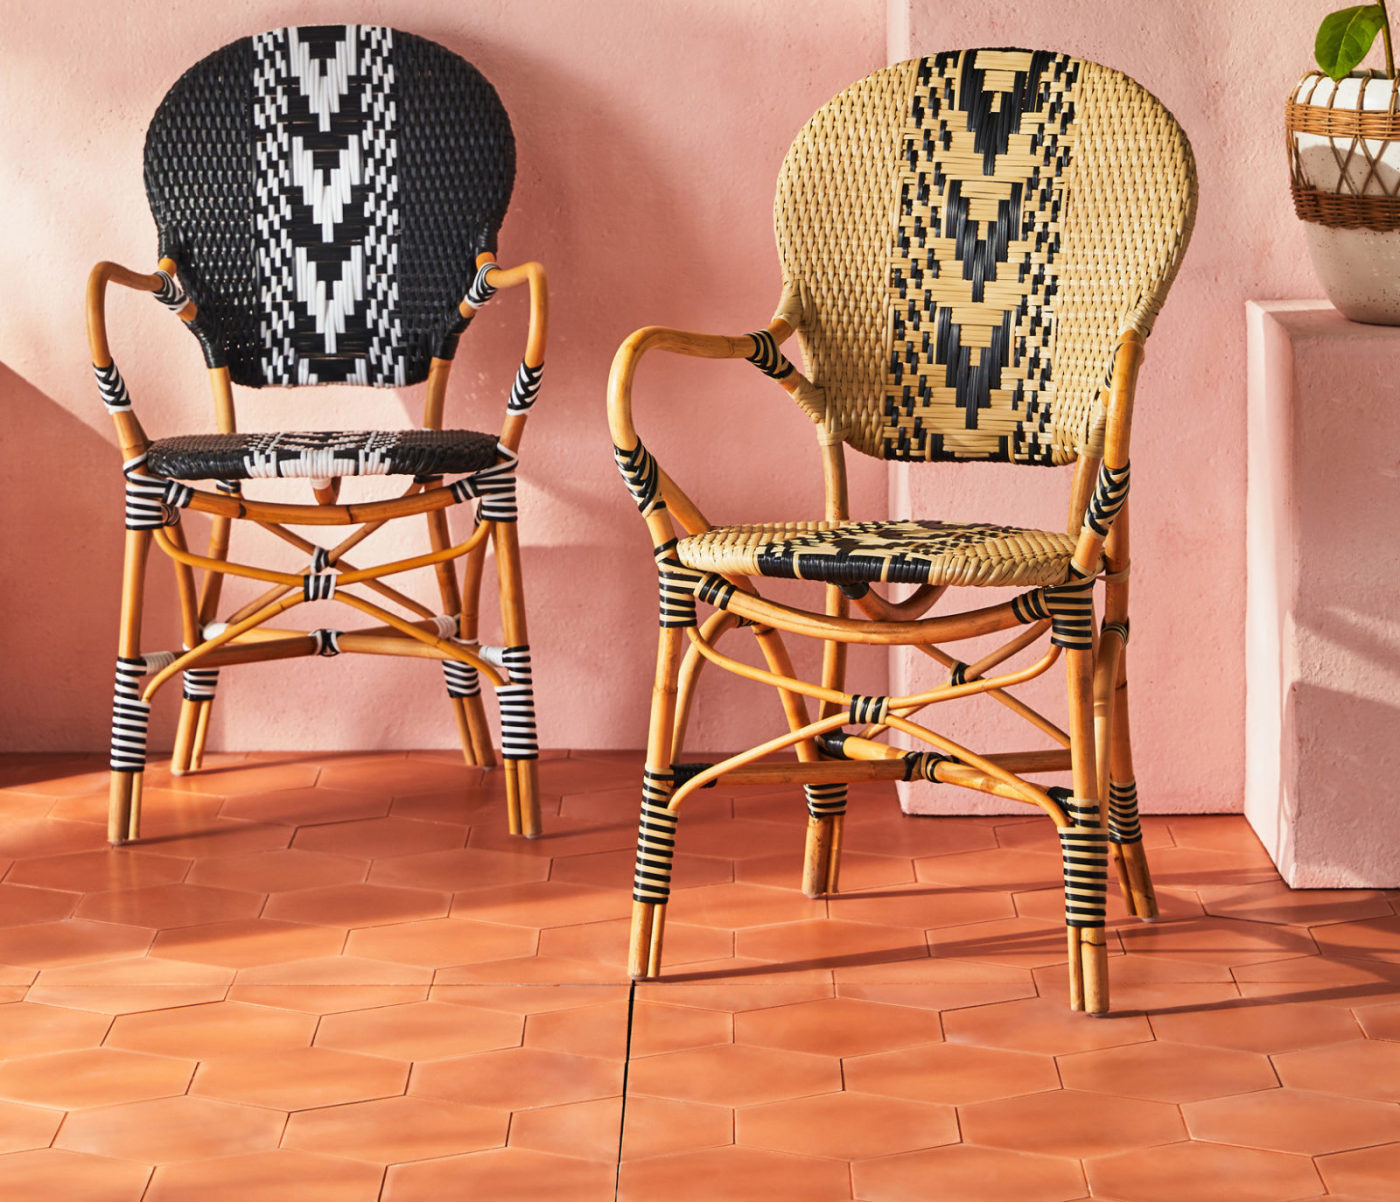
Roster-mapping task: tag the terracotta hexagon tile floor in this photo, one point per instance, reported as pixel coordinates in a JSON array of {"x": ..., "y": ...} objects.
[{"x": 337, "y": 977}]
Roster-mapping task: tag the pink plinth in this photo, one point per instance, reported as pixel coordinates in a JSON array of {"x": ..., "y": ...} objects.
[{"x": 1323, "y": 640}]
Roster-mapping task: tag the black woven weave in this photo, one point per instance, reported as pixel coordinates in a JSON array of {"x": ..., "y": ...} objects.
[
  {"x": 325, "y": 191},
  {"x": 321, "y": 454}
]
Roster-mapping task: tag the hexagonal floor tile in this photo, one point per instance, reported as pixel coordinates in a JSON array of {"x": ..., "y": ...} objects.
[
  {"x": 519, "y": 1078},
  {"x": 267, "y": 1177},
  {"x": 936, "y": 984},
  {"x": 1274, "y": 901},
  {"x": 169, "y": 1129},
  {"x": 923, "y": 906},
  {"x": 968, "y": 1174},
  {"x": 459, "y": 868},
  {"x": 1068, "y": 1123},
  {"x": 1226, "y": 941},
  {"x": 395, "y": 1130},
  {"x": 306, "y": 806},
  {"x": 58, "y": 1173},
  {"x": 598, "y": 1030},
  {"x": 1380, "y": 1022},
  {"x": 1369, "y": 939},
  {"x": 420, "y": 1031},
  {"x": 73, "y": 941},
  {"x": 1363, "y": 1068},
  {"x": 537, "y": 904},
  {"x": 956, "y": 1074},
  {"x": 614, "y": 869},
  {"x": 658, "y": 1126},
  {"x": 831, "y": 943},
  {"x": 846, "y": 1125},
  {"x": 590, "y": 1130},
  {"x": 92, "y": 1077},
  {"x": 918, "y": 836},
  {"x": 247, "y": 943},
  {"x": 838, "y": 1027},
  {"x": 1168, "y": 1072},
  {"x": 736, "y": 905},
  {"x": 214, "y": 1029},
  {"x": 277, "y": 871},
  {"x": 748, "y": 1174},
  {"x": 107, "y": 869},
  {"x": 381, "y": 838},
  {"x": 859, "y": 870},
  {"x": 658, "y": 1027},
  {"x": 606, "y": 942},
  {"x": 357, "y": 905},
  {"x": 1015, "y": 942},
  {"x": 23, "y": 904},
  {"x": 1371, "y": 1172},
  {"x": 1292, "y": 1120},
  {"x": 125, "y": 986},
  {"x": 1202, "y": 1172},
  {"x": 442, "y": 942},
  {"x": 30, "y": 1029},
  {"x": 331, "y": 984},
  {"x": 168, "y": 906},
  {"x": 24, "y": 1128},
  {"x": 1255, "y": 1026},
  {"x": 503, "y": 1175},
  {"x": 299, "y": 1078},
  {"x": 734, "y": 1075},
  {"x": 1045, "y": 1025}
]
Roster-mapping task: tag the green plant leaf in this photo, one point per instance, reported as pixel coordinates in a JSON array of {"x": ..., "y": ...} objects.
[{"x": 1345, "y": 38}]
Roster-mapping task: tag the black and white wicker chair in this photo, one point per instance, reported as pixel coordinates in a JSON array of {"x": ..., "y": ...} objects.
[{"x": 328, "y": 200}]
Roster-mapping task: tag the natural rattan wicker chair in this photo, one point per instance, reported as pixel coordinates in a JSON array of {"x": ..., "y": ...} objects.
[
  {"x": 974, "y": 247},
  {"x": 328, "y": 200}
]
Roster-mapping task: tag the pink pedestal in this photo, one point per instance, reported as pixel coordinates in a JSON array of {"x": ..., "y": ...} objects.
[{"x": 1323, "y": 635}]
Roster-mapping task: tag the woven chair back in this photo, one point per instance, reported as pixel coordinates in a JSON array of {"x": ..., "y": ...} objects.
[
  {"x": 968, "y": 235},
  {"x": 325, "y": 191}
]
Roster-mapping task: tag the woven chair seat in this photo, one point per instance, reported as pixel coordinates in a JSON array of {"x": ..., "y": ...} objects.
[
  {"x": 915, "y": 552},
  {"x": 322, "y": 454}
]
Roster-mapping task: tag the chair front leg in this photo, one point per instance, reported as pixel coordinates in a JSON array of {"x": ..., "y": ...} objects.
[
  {"x": 130, "y": 715},
  {"x": 472, "y": 726},
  {"x": 826, "y": 803},
  {"x": 1124, "y": 825},
  {"x": 1084, "y": 847},
  {"x": 656, "y": 834},
  {"x": 463, "y": 681},
  {"x": 519, "y": 746}
]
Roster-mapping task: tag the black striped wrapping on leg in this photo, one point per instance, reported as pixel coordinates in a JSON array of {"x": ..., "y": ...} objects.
[
  {"x": 130, "y": 717},
  {"x": 656, "y": 840},
  {"x": 463, "y": 680},
  {"x": 494, "y": 487},
  {"x": 1124, "y": 825},
  {"x": 867, "y": 710},
  {"x": 517, "y": 702},
  {"x": 526, "y": 388},
  {"x": 318, "y": 586},
  {"x": 1110, "y": 491},
  {"x": 327, "y": 641},
  {"x": 200, "y": 684},
  {"x": 1069, "y": 606},
  {"x": 152, "y": 501},
  {"x": 959, "y": 674},
  {"x": 639, "y": 473},
  {"x": 1084, "y": 849},
  {"x": 825, "y": 800},
  {"x": 112, "y": 388},
  {"x": 767, "y": 357}
]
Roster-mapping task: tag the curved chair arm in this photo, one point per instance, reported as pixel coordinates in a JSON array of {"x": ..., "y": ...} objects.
[
  {"x": 491, "y": 278},
  {"x": 160, "y": 284},
  {"x": 650, "y": 486}
]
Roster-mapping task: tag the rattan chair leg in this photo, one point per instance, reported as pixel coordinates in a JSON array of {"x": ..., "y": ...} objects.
[
  {"x": 519, "y": 749},
  {"x": 124, "y": 796},
  {"x": 439, "y": 537},
  {"x": 1123, "y": 811},
  {"x": 656, "y": 831},
  {"x": 201, "y": 733},
  {"x": 182, "y": 756},
  {"x": 1084, "y": 844},
  {"x": 473, "y": 710}
]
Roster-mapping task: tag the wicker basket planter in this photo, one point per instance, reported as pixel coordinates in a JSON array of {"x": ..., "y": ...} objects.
[{"x": 1344, "y": 160}]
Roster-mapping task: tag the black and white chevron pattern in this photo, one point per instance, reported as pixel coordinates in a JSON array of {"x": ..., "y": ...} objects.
[
  {"x": 517, "y": 702},
  {"x": 327, "y": 206},
  {"x": 463, "y": 680},
  {"x": 494, "y": 486},
  {"x": 112, "y": 388},
  {"x": 1110, "y": 491},
  {"x": 130, "y": 715},
  {"x": 152, "y": 501},
  {"x": 526, "y": 388},
  {"x": 200, "y": 683},
  {"x": 767, "y": 357}
]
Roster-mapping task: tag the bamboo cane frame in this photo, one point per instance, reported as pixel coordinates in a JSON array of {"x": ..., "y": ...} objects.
[
  {"x": 888, "y": 624},
  {"x": 242, "y": 640}
]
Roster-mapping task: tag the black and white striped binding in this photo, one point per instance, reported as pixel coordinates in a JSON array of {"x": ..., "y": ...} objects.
[
  {"x": 865, "y": 710},
  {"x": 318, "y": 586},
  {"x": 130, "y": 715},
  {"x": 152, "y": 501},
  {"x": 494, "y": 486},
  {"x": 826, "y": 800},
  {"x": 1069, "y": 607},
  {"x": 169, "y": 293},
  {"x": 200, "y": 684},
  {"x": 767, "y": 357},
  {"x": 517, "y": 702},
  {"x": 463, "y": 680},
  {"x": 676, "y": 585},
  {"x": 656, "y": 840},
  {"x": 1124, "y": 825},
  {"x": 327, "y": 641},
  {"x": 1110, "y": 491},
  {"x": 1084, "y": 849},
  {"x": 526, "y": 388},
  {"x": 639, "y": 473},
  {"x": 480, "y": 291},
  {"x": 111, "y": 386}
]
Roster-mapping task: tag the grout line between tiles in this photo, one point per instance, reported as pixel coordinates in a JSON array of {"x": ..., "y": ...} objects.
[{"x": 626, "y": 1065}]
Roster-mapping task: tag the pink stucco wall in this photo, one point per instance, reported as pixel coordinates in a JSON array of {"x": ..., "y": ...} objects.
[{"x": 650, "y": 135}]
